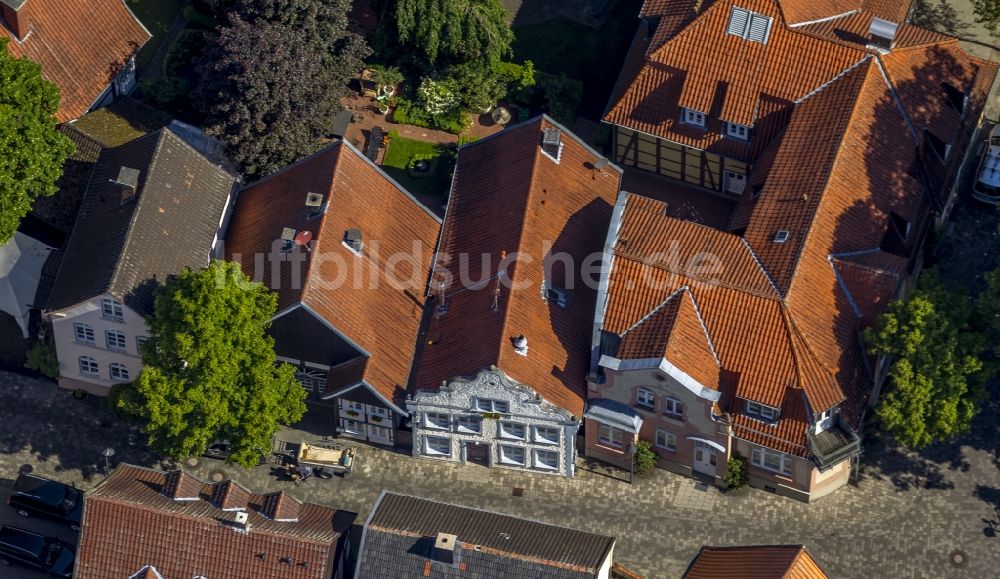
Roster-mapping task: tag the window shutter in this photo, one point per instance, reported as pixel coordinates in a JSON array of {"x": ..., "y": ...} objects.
[
  {"x": 759, "y": 27},
  {"x": 738, "y": 21}
]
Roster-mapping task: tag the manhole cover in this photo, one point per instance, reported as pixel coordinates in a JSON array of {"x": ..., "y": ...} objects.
[
  {"x": 518, "y": 492},
  {"x": 217, "y": 476},
  {"x": 958, "y": 558}
]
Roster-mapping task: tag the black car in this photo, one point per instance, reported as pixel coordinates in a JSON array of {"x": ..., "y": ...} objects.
[
  {"x": 223, "y": 449},
  {"x": 34, "y": 495},
  {"x": 20, "y": 547}
]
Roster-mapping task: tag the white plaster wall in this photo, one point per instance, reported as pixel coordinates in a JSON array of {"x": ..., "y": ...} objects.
[
  {"x": 456, "y": 399},
  {"x": 68, "y": 350}
]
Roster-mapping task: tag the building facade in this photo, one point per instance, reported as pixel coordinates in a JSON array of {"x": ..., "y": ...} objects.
[
  {"x": 347, "y": 251},
  {"x": 152, "y": 207},
  {"x": 493, "y": 421}
]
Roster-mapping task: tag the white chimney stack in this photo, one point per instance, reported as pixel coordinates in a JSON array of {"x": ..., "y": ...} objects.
[{"x": 521, "y": 345}]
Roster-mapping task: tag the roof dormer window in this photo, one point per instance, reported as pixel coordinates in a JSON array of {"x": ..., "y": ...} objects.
[
  {"x": 955, "y": 98},
  {"x": 940, "y": 148},
  {"x": 693, "y": 117},
  {"x": 741, "y": 132},
  {"x": 762, "y": 412},
  {"x": 781, "y": 236},
  {"x": 749, "y": 25}
]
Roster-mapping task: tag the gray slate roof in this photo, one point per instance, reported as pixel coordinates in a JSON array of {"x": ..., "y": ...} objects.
[
  {"x": 399, "y": 542},
  {"x": 15, "y": 4},
  {"x": 128, "y": 248}
]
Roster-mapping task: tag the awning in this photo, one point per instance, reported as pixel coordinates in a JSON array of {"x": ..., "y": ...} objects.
[
  {"x": 21, "y": 261},
  {"x": 615, "y": 414}
]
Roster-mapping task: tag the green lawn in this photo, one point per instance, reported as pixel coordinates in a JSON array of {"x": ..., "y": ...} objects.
[
  {"x": 397, "y": 160},
  {"x": 157, "y": 16},
  {"x": 594, "y": 57}
]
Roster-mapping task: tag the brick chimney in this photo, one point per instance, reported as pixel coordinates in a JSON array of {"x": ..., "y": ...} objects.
[{"x": 13, "y": 13}]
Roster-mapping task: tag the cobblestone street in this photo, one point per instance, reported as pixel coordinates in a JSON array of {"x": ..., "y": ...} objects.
[{"x": 909, "y": 515}]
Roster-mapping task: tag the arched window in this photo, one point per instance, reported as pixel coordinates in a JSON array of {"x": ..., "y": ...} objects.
[
  {"x": 89, "y": 366},
  {"x": 119, "y": 373}
]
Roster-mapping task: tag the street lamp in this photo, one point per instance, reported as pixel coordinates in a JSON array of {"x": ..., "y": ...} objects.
[{"x": 108, "y": 453}]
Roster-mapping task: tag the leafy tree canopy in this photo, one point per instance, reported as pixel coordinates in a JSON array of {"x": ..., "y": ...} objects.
[
  {"x": 455, "y": 30},
  {"x": 209, "y": 368},
  {"x": 32, "y": 150},
  {"x": 988, "y": 14},
  {"x": 936, "y": 374},
  {"x": 272, "y": 78}
]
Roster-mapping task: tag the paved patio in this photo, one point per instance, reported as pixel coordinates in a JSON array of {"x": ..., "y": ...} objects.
[{"x": 906, "y": 517}]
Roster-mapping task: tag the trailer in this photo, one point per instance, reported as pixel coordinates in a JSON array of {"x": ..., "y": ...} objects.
[{"x": 326, "y": 456}]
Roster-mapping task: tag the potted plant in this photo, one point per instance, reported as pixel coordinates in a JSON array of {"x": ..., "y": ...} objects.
[{"x": 387, "y": 77}]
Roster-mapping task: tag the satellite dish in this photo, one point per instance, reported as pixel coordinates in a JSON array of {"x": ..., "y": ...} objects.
[{"x": 303, "y": 237}]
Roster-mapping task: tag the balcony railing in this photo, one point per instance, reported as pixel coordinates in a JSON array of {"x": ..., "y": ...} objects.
[{"x": 834, "y": 445}]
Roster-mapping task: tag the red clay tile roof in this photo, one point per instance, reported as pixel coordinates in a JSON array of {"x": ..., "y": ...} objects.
[
  {"x": 675, "y": 331},
  {"x": 853, "y": 29},
  {"x": 354, "y": 293},
  {"x": 759, "y": 562},
  {"x": 129, "y": 522},
  {"x": 842, "y": 173},
  {"x": 729, "y": 78},
  {"x": 81, "y": 45},
  {"x": 802, "y": 11},
  {"x": 508, "y": 198}
]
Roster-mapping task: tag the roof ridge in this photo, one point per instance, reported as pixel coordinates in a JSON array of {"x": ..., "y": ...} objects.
[
  {"x": 501, "y": 346},
  {"x": 321, "y": 225},
  {"x": 160, "y": 137},
  {"x": 845, "y": 128},
  {"x": 654, "y": 311},
  {"x": 701, "y": 320}
]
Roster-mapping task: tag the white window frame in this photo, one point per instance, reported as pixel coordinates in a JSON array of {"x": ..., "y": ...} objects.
[
  {"x": 115, "y": 340},
  {"x": 112, "y": 310},
  {"x": 433, "y": 451},
  {"x": 88, "y": 366},
  {"x": 606, "y": 435},
  {"x": 504, "y": 433},
  {"x": 353, "y": 427},
  {"x": 139, "y": 341},
  {"x": 429, "y": 422},
  {"x": 353, "y": 406},
  {"x": 490, "y": 405},
  {"x": 539, "y": 464},
  {"x": 84, "y": 334},
  {"x": 669, "y": 440},
  {"x": 693, "y": 117},
  {"x": 737, "y": 131},
  {"x": 120, "y": 370},
  {"x": 379, "y": 411},
  {"x": 760, "y": 454},
  {"x": 673, "y": 408},
  {"x": 503, "y": 457},
  {"x": 645, "y": 398},
  {"x": 374, "y": 432},
  {"x": 539, "y": 435},
  {"x": 762, "y": 411},
  {"x": 465, "y": 428}
]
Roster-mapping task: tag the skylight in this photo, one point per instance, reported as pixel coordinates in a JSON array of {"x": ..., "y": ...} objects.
[{"x": 749, "y": 25}]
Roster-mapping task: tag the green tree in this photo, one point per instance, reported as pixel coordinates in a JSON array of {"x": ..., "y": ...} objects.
[
  {"x": 988, "y": 14},
  {"x": 644, "y": 458},
  {"x": 209, "y": 368},
  {"x": 32, "y": 150},
  {"x": 272, "y": 78},
  {"x": 455, "y": 30},
  {"x": 42, "y": 358},
  {"x": 737, "y": 472},
  {"x": 936, "y": 374}
]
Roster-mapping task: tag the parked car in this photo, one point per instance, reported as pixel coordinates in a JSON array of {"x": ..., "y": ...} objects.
[
  {"x": 987, "y": 185},
  {"x": 28, "y": 549},
  {"x": 34, "y": 495},
  {"x": 223, "y": 449}
]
